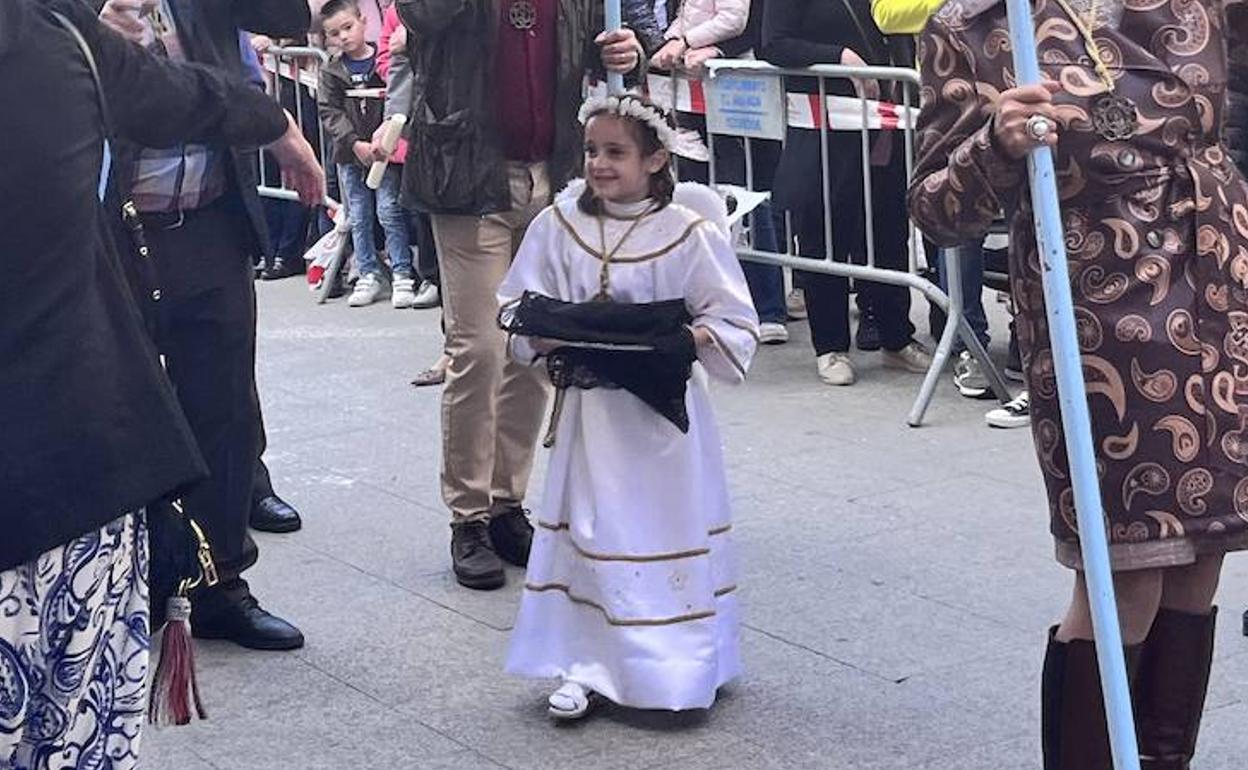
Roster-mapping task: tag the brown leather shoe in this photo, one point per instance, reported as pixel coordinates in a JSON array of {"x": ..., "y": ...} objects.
[
  {"x": 1074, "y": 735},
  {"x": 1170, "y": 689}
]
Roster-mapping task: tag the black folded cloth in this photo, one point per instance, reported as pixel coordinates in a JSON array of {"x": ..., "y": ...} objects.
[{"x": 645, "y": 348}]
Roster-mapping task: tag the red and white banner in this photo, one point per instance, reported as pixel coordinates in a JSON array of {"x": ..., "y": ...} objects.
[{"x": 844, "y": 113}]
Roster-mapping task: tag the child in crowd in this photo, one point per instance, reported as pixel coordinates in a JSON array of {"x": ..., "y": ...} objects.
[
  {"x": 630, "y": 592},
  {"x": 700, "y": 26},
  {"x": 350, "y": 123}
]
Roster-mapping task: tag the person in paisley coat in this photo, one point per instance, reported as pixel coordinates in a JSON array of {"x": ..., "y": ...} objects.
[{"x": 1156, "y": 219}]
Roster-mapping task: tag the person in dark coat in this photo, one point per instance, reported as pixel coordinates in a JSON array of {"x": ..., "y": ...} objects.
[
  {"x": 1157, "y": 250},
  {"x": 205, "y": 226},
  {"x": 90, "y": 429}
]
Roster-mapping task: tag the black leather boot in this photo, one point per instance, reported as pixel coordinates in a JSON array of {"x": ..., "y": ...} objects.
[
  {"x": 473, "y": 558},
  {"x": 1074, "y": 734},
  {"x": 511, "y": 533},
  {"x": 1170, "y": 691},
  {"x": 230, "y": 612}
]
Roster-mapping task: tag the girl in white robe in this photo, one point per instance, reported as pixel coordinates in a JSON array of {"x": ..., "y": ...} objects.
[{"x": 631, "y": 588}]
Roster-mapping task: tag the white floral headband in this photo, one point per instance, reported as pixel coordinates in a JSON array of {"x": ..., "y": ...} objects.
[{"x": 629, "y": 106}]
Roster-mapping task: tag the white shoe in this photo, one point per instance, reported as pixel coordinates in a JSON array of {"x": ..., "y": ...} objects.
[
  {"x": 913, "y": 358},
  {"x": 770, "y": 333},
  {"x": 570, "y": 701},
  {"x": 795, "y": 304},
  {"x": 835, "y": 369},
  {"x": 1016, "y": 414},
  {"x": 367, "y": 289},
  {"x": 403, "y": 293},
  {"x": 427, "y": 296},
  {"x": 969, "y": 377}
]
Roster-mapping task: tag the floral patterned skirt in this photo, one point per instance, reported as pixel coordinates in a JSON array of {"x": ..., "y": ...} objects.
[{"x": 74, "y": 644}]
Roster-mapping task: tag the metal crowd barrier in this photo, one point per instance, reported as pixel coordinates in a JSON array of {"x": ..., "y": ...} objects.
[{"x": 747, "y": 99}]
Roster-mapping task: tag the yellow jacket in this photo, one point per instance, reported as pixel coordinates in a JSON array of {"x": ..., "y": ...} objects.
[{"x": 903, "y": 17}]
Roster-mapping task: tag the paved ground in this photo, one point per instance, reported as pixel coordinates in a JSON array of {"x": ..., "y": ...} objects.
[{"x": 897, "y": 585}]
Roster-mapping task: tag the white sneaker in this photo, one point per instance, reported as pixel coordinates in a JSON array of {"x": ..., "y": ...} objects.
[
  {"x": 835, "y": 369},
  {"x": 770, "y": 333},
  {"x": 367, "y": 289},
  {"x": 969, "y": 377},
  {"x": 427, "y": 296},
  {"x": 403, "y": 293},
  {"x": 913, "y": 358},
  {"x": 570, "y": 701},
  {"x": 795, "y": 304},
  {"x": 1016, "y": 414}
]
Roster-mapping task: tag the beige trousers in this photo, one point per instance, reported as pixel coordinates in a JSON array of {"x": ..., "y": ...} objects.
[{"x": 492, "y": 407}]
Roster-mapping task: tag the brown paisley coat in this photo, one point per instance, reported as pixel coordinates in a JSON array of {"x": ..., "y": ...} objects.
[{"x": 1157, "y": 236}]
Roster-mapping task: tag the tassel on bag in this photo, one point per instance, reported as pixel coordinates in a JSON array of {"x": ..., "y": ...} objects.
[{"x": 175, "y": 687}]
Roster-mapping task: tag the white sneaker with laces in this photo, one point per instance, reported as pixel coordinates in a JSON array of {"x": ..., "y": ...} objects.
[
  {"x": 403, "y": 293},
  {"x": 1015, "y": 414},
  {"x": 912, "y": 358},
  {"x": 771, "y": 333},
  {"x": 835, "y": 369},
  {"x": 969, "y": 377},
  {"x": 427, "y": 296},
  {"x": 368, "y": 289}
]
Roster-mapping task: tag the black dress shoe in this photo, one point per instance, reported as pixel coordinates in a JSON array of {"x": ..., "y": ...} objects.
[
  {"x": 511, "y": 533},
  {"x": 868, "y": 337},
  {"x": 247, "y": 624},
  {"x": 282, "y": 268},
  {"x": 473, "y": 558},
  {"x": 273, "y": 514}
]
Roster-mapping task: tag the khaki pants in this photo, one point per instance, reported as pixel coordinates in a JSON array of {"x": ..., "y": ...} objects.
[{"x": 492, "y": 407}]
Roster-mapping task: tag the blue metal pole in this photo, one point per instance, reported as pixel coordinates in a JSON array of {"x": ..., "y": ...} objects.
[
  {"x": 1076, "y": 421},
  {"x": 615, "y": 81}
]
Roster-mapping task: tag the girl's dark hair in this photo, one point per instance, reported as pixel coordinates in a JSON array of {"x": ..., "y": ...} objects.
[{"x": 662, "y": 182}]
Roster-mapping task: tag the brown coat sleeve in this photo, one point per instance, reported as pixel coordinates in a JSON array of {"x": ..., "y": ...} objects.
[{"x": 961, "y": 180}]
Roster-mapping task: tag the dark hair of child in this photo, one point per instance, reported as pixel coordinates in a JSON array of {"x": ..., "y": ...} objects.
[
  {"x": 338, "y": 6},
  {"x": 662, "y": 182}
]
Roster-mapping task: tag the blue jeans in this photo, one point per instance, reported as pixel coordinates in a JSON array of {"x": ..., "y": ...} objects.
[
  {"x": 365, "y": 211},
  {"x": 971, "y": 256},
  {"x": 766, "y": 282}
]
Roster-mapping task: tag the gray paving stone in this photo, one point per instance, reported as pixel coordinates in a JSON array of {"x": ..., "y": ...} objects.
[{"x": 897, "y": 584}]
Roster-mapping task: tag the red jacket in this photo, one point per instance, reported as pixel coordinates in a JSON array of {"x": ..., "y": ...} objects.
[{"x": 389, "y": 23}]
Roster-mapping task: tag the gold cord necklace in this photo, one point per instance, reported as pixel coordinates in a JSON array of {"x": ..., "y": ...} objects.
[
  {"x": 1114, "y": 116},
  {"x": 604, "y": 276}
]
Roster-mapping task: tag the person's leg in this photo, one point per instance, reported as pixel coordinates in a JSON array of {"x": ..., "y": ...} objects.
[
  {"x": 393, "y": 218},
  {"x": 361, "y": 209},
  {"x": 269, "y": 513},
  {"x": 99, "y": 631},
  {"x": 1174, "y": 669},
  {"x": 426, "y": 250},
  {"x": 522, "y": 393},
  {"x": 766, "y": 282},
  {"x": 209, "y": 344},
  {"x": 890, "y": 304}
]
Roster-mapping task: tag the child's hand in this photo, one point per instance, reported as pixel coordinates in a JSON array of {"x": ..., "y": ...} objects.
[
  {"x": 702, "y": 337},
  {"x": 398, "y": 39},
  {"x": 696, "y": 58},
  {"x": 363, "y": 152},
  {"x": 669, "y": 55},
  {"x": 122, "y": 16},
  {"x": 261, "y": 43},
  {"x": 379, "y": 150}
]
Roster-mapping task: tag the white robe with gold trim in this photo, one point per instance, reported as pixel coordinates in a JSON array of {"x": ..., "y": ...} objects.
[{"x": 631, "y": 584}]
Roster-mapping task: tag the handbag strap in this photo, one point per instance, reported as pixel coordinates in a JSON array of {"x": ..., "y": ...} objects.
[{"x": 76, "y": 34}]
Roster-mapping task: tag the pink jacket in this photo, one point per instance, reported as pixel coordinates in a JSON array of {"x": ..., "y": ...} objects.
[
  {"x": 705, "y": 23},
  {"x": 389, "y": 23}
]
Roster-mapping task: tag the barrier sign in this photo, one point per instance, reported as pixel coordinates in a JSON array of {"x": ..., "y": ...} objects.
[{"x": 746, "y": 105}]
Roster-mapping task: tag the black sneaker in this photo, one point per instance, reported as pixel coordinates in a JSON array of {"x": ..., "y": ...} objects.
[
  {"x": 868, "y": 337},
  {"x": 473, "y": 558},
  {"x": 511, "y": 533}
]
